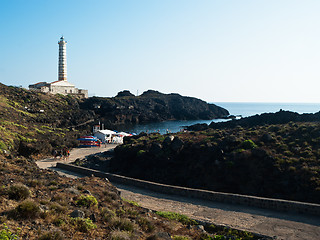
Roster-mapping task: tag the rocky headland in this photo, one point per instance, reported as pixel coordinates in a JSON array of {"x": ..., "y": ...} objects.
[{"x": 150, "y": 106}]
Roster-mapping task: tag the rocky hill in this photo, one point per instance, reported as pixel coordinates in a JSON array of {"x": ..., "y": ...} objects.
[
  {"x": 279, "y": 160},
  {"x": 34, "y": 123},
  {"x": 151, "y": 106},
  {"x": 40, "y": 204}
]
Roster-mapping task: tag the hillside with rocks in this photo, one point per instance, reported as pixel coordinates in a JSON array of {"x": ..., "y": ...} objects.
[
  {"x": 35, "y": 123},
  {"x": 40, "y": 204},
  {"x": 277, "y": 160}
]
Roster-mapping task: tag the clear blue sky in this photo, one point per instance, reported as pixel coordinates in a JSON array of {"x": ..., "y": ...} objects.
[{"x": 219, "y": 51}]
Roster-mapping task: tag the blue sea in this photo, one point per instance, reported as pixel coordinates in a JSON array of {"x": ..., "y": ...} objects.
[{"x": 234, "y": 108}]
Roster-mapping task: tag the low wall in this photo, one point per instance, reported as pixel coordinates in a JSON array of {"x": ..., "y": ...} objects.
[{"x": 260, "y": 202}]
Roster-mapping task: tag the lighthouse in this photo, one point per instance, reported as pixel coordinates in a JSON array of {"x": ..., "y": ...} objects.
[
  {"x": 62, "y": 65},
  {"x": 60, "y": 86}
]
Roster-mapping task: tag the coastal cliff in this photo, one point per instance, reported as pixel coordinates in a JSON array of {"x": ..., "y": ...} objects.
[{"x": 151, "y": 106}]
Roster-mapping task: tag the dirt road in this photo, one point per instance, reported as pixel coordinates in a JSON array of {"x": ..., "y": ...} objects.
[{"x": 271, "y": 223}]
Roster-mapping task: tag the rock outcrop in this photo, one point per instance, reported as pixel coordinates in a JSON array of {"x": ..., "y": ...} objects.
[{"x": 151, "y": 106}]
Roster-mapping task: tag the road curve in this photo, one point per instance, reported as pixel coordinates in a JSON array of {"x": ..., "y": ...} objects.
[{"x": 286, "y": 226}]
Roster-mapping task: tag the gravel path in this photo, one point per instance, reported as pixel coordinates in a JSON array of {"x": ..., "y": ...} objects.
[{"x": 271, "y": 223}]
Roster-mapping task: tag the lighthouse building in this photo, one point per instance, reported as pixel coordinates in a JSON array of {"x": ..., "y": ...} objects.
[{"x": 62, "y": 86}]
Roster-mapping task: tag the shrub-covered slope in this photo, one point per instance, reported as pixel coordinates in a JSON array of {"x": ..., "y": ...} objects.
[
  {"x": 34, "y": 123},
  {"x": 40, "y": 204},
  {"x": 277, "y": 160}
]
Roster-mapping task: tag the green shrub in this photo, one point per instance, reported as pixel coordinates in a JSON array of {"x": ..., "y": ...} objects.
[
  {"x": 123, "y": 224},
  {"x": 83, "y": 224},
  {"x": 248, "y": 144},
  {"x": 145, "y": 224},
  {"x": 18, "y": 191},
  {"x": 108, "y": 215},
  {"x": 3, "y": 146},
  {"x": 54, "y": 235},
  {"x": 141, "y": 153},
  {"x": 181, "y": 238},
  {"x": 58, "y": 208},
  {"x": 27, "y": 209},
  {"x": 6, "y": 234},
  {"x": 131, "y": 202},
  {"x": 228, "y": 233},
  {"x": 178, "y": 217},
  {"x": 58, "y": 221},
  {"x": 87, "y": 201}
]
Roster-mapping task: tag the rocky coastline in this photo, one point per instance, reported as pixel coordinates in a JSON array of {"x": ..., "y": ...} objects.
[{"x": 150, "y": 106}]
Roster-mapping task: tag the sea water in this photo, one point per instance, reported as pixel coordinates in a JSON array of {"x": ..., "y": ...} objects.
[{"x": 234, "y": 108}]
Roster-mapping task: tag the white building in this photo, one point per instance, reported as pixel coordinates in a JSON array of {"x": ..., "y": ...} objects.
[
  {"x": 62, "y": 86},
  {"x": 105, "y": 136}
]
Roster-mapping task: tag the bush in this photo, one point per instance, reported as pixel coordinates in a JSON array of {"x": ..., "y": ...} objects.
[
  {"x": 131, "y": 202},
  {"x": 145, "y": 224},
  {"x": 248, "y": 144},
  {"x": 141, "y": 153},
  {"x": 55, "y": 235},
  {"x": 58, "y": 221},
  {"x": 83, "y": 224},
  {"x": 108, "y": 215},
  {"x": 180, "y": 237},
  {"x": 18, "y": 191},
  {"x": 119, "y": 235},
  {"x": 87, "y": 201},
  {"x": 178, "y": 217},
  {"x": 123, "y": 224},
  {"x": 58, "y": 208},
  {"x": 6, "y": 234},
  {"x": 27, "y": 209}
]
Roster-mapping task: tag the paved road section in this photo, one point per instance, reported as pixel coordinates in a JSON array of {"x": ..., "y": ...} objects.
[
  {"x": 284, "y": 226},
  {"x": 262, "y": 221},
  {"x": 74, "y": 154}
]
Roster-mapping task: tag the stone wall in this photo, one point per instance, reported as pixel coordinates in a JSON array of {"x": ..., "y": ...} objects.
[{"x": 260, "y": 202}]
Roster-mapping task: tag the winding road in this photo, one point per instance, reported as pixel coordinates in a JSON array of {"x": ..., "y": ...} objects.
[{"x": 280, "y": 225}]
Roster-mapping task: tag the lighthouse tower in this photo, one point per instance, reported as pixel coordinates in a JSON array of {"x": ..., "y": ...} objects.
[{"x": 62, "y": 67}]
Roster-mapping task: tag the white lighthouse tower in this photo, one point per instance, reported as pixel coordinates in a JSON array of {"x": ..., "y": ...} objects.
[
  {"x": 61, "y": 86},
  {"x": 62, "y": 67}
]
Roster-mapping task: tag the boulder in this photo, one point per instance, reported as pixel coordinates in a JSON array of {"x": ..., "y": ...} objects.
[
  {"x": 156, "y": 148},
  {"x": 176, "y": 144},
  {"x": 167, "y": 141},
  {"x": 267, "y": 138},
  {"x": 77, "y": 213},
  {"x": 163, "y": 236}
]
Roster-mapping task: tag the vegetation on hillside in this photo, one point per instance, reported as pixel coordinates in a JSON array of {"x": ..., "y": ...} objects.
[
  {"x": 33, "y": 123},
  {"x": 277, "y": 160},
  {"x": 40, "y": 204}
]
